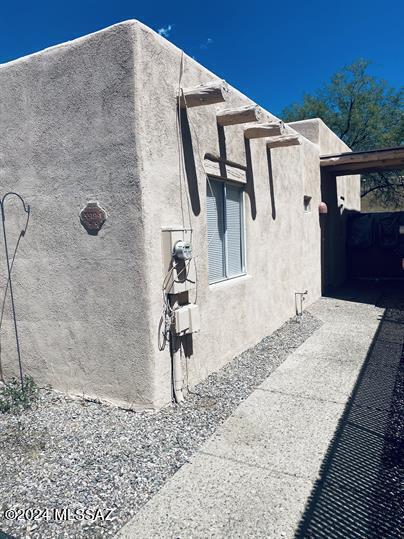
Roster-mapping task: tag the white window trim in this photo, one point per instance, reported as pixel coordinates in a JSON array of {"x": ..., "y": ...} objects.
[{"x": 242, "y": 231}]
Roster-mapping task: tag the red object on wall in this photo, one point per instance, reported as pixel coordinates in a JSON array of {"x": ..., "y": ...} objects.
[{"x": 322, "y": 208}]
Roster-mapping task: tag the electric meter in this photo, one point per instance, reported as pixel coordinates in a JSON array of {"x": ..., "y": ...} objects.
[
  {"x": 179, "y": 273},
  {"x": 182, "y": 250}
]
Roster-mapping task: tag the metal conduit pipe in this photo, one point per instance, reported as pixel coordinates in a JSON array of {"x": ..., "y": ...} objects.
[
  {"x": 177, "y": 374},
  {"x": 175, "y": 352}
]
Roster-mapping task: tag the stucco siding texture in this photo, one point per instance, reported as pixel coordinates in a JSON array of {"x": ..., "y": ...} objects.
[
  {"x": 282, "y": 242},
  {"x": 96, "y": 119},
  {"x": 342, "y": 195},
  {"x": 68, "y": 136},
  {"x": 328, "y": 143}
]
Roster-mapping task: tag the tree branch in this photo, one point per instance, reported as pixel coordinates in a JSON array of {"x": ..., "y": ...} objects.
[
  {"x": 387, "y": 184},
  {"x": 361, "y": 135},
  {"x": 349, "y": 119}
]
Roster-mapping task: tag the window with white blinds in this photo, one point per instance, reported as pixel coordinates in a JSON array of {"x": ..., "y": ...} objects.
[{"x": 224, "y": 208}]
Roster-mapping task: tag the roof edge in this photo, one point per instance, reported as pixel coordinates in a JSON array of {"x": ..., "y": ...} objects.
[{"x": 130, "y": 23}]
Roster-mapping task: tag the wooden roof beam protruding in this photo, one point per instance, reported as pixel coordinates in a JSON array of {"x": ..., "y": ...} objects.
[
  {"x": 272, "y": 129},
  {"x": 241, "y": 115},
  {"x": 205, "y": 94},
  {"x": 218, "y": 159},
  {"x": 284, "y": 140}
]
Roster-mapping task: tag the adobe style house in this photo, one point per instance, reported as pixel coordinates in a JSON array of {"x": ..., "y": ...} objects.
[{"x": 173, "y": 160}]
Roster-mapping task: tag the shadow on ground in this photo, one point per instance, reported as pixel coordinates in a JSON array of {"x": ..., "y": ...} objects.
[
  {"x": 380, "y": 293},
  {"x": 358, "y": 493}
]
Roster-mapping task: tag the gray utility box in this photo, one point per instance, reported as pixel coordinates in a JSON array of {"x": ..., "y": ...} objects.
[{"x": 178, "y": 275}]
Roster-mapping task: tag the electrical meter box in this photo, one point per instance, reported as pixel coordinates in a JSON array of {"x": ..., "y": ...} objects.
[
  {"x": 186, "y": 319},
  {"x": 179, "y": 273}
]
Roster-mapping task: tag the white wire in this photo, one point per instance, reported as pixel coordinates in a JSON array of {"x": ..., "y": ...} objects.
[
  {"x": 181, "y": 162},
  {"x": 168, "y": 312}
]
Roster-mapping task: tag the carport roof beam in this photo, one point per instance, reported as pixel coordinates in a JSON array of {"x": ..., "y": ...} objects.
[{"x": 362, "y": 162}]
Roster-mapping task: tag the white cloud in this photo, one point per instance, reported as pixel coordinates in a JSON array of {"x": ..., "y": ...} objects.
[
  {"x": 206, "y": 44},
  {"x": 165, "y": 30}
]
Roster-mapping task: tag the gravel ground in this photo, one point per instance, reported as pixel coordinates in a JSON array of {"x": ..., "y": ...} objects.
[{"x": 77, "y": 454}]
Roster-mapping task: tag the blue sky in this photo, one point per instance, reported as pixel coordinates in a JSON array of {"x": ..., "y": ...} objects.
[{"x": 272, "y": 51}]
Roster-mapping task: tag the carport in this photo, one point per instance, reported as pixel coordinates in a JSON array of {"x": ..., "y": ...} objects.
[{"x": 335, "y": 258}]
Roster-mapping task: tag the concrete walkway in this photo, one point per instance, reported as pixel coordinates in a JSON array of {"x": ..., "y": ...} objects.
[{"x": 255, "y": 476}]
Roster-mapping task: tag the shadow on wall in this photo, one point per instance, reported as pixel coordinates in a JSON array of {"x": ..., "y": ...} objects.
[
  {"x": 191, "y": 172},
  {"x": 334, "y": 262},
  {"x": 249, "y": 188},
  {"x": 271, "y": 184},
  {"x": 358, "y": 492},
  {"x": 222, "y": 149},
  {"x": 189, "y": 161}
]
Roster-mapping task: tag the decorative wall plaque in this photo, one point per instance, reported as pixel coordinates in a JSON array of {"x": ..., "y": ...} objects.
[{"x": 92, "y": 217}]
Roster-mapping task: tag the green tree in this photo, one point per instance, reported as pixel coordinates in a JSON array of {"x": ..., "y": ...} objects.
[{"x": 366, "y": 114}]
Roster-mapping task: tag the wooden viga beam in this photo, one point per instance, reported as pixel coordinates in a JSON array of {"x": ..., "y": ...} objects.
[
  {"x": 284, "y": 140},
  {"x": 241, "y": 115},
  {"x": 205, "y": 94},
  {"x": 272, "y": 129}
]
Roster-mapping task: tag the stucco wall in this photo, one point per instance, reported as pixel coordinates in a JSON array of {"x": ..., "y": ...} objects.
[
  {"x": 282, "y": 242},
  {"x": 342, "y": 195},
  {"x": 328, "y": 143},
  {"x": 96, "y": 119},
  {"x": 68, "y": 135}
]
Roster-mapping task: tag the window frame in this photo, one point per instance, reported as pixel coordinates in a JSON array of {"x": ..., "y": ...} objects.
[{"x": 241, "y": 188}]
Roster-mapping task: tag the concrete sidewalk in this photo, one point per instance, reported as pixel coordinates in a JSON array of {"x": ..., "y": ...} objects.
[{"x": 254, "y": 477}]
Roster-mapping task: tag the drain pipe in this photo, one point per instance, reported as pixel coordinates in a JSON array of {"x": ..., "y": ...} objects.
[{"x": 175, "y": 351}]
